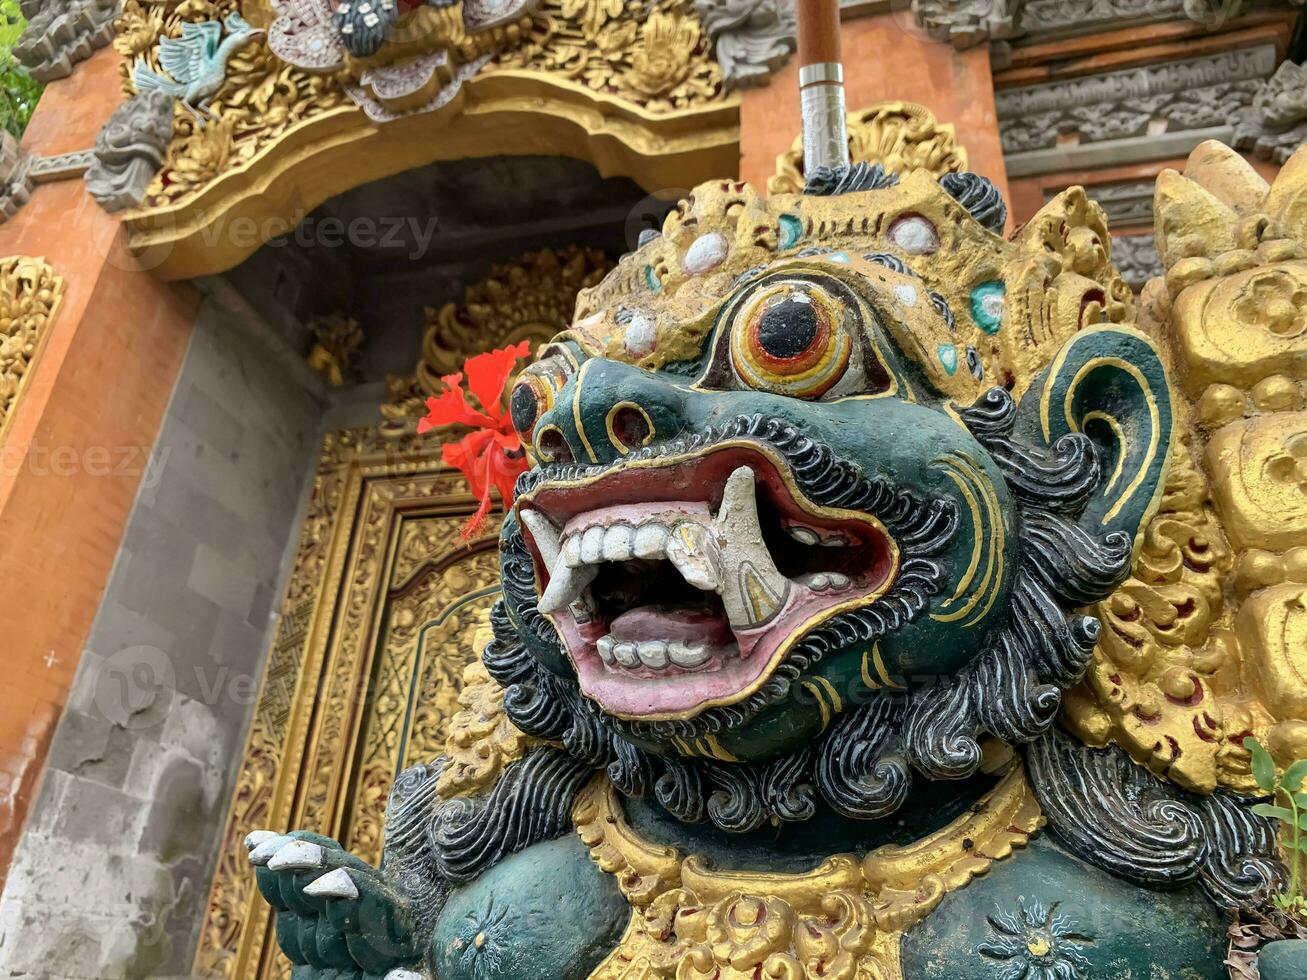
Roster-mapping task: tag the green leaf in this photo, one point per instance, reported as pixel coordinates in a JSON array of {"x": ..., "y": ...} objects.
[
  {"x": 1300, "y": 799},
  {"x": 1294, "y": 775},
  {"x": 1263, "y": 765},
  {"x": 1271, "y": 810},
  {"x": 1302, "y": 845}
]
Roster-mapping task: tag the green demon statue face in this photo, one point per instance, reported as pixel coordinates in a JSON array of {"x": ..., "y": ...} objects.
[{"x": 820, "y": 484}]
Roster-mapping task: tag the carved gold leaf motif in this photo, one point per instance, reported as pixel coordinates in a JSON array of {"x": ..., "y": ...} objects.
[
  {"x": 29, "y": 298},
  {"x": 844, "y": 919},
  {"x": 900, "y": 136},
  {"x": 1206, "y": 643}
]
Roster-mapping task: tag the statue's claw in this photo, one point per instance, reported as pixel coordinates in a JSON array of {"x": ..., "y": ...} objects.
[{"x": 337, "y": 917}]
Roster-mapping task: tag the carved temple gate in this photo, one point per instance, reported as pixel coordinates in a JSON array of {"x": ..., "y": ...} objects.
[{"x": 378, "y": 618}]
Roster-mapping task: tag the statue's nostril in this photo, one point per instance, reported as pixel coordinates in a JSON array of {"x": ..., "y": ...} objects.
[
  {"x": 629, "y": 426},
  {"x": 551, "y": 447}
]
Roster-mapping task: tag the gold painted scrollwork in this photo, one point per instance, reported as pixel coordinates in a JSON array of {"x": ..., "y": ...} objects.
[
  {"x": 900, "y": 136},
  {"x": 30, "y": 291},
  {"x": 844, "y": 919},
  {"x": 1206, "y": 643},
  {"x": 529, "y": 298}
]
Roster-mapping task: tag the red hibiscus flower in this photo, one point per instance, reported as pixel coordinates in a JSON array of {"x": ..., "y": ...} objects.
[{"x": 491, "y": 455}]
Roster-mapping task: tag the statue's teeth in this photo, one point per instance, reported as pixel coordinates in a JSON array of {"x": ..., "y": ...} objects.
[
  {"x": 695, "y": 554},
  {"x": 753, "y": 588},
  {"x": 566, "y": 583},
  {"x": 544, "y": 534}
]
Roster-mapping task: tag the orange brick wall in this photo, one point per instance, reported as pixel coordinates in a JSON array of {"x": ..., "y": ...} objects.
[
  {"x": 102, "y": 382},
  {"x": 883, "y": 61}
]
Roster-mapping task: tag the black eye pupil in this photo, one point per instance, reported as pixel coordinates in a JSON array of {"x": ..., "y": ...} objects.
[
  {"x": 524, "y": 407},
  {"x": 787, "y": 329}
]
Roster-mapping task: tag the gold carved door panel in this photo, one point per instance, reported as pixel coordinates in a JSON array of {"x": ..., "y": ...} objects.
[{"x": 363, "y": 675}]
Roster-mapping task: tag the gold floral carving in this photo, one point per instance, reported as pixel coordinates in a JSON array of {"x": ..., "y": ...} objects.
[
  {"x": 384, "y": 600},
  {"x": 1206, "y": 643},
  {"x": 627, "y": 84},
  {"x": 335, "y": 346},
  {"x": 260, "y": 101},
  {"x": 529, "y": 298},
  {"x": 900, "y": 136},
  {"x": 29, "y": 298},
  {"x": 843, "y": 920},
  {"x": 481, "y": 739}
]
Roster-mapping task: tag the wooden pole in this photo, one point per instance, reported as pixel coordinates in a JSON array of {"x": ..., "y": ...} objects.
[{"x": 821, "y": 86}]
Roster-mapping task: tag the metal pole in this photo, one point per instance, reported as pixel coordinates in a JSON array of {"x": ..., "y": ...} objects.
[{"x": 821, "y": 85}]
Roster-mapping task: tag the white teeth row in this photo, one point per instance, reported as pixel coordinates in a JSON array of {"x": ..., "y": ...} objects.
[
  {"x": 620, "y": 542},
  {"x": 806, "y": 535},
  {"x": 655, "y": 654},
  {"x": 825, "y": 581},
  {"x": 722, "y": 553}
]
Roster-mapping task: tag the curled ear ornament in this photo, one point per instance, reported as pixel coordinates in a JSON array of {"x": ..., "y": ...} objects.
[{"x": 1109, "y": 384}]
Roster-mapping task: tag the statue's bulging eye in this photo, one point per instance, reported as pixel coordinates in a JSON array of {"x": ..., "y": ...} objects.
[
  {"x": 533, "y": 395},
  {"x": 791, "y": 340}
]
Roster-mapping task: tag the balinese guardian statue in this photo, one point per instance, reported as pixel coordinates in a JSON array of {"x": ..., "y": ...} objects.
[{"x": 886, "y": 600}]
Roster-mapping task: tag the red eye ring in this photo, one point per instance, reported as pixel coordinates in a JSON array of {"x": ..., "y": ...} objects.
[
  {"x": 531, "y": 397},
  {"x": 791, "y": 339}
]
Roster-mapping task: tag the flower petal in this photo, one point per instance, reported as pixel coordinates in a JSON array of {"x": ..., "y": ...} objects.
[{"x": 488, "y": 373}]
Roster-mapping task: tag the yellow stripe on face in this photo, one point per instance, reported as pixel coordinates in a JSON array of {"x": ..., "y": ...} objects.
[{"x": 815, "y": 691}]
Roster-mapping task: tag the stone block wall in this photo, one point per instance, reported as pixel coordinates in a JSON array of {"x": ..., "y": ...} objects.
[{"x": 110, "y": 876}]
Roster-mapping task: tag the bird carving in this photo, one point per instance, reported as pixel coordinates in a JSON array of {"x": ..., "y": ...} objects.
[{"x": 196, "y": 62}]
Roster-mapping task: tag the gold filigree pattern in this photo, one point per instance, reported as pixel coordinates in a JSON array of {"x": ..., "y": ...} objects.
[
  {"x": 29, "y": 298},
  {"x": 335, "y": 348},
  {"x": 1052, "y": 278},
  {"x": 481, "y": 740},
  {"x": 1206, "y": 643},
  {"x": 844, "y": 919},
  {"x": 528, "y": 298},
  {"x": 900, "y": 136},
  {"x": 332, "y": 645},
  {"x": 654, "y": 55},
  {"x": 261, "y": 99}
]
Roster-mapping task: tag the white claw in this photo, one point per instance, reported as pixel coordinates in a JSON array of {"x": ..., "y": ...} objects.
[
  {"x": 256, "y": 837},
  {"x": 264, "y": 851},
  {"x": 545, "y": 534},
  {"x": 298, "y": 855},
  {"x": 566, "y": 582},
  {"x": 403, "y": 975},
  {"x": 334, "y": 884}
]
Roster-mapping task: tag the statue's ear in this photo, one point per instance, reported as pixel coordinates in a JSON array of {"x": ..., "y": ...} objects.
[{"x": 1109, "y": 383}]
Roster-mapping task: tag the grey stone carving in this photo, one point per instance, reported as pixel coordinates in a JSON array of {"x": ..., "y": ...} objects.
[
  {"x": 964, "y": 23},
  {"x": 1136, "y": 258},
  {"x": 15, "y": 177},
  {"x": 1276, "y": 123},
  {"x": 753, "y": 38},
  {"x": 1181, "y": 95},
  {"x": 130, "y": 149},
  {"x": 968, "y": 22},
  {"x": 60, "y": 33}
]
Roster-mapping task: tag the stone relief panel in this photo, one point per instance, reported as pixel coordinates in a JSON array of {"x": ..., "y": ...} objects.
[{"x": 1194, "y": 94}]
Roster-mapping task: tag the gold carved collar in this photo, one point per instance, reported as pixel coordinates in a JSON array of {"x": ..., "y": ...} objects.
[{"x": 843, "y": 920}]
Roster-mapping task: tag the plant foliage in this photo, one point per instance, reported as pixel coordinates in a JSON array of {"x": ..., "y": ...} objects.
[
  {"x": 1284, "y": 789},
  {"x": 18, "y": 90}
]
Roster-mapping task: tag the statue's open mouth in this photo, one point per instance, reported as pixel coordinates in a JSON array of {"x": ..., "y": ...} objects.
[{"x": 679, "y": 583}]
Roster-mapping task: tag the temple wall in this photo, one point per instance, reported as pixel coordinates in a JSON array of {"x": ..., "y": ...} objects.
[{"x": 111, "y": 873}]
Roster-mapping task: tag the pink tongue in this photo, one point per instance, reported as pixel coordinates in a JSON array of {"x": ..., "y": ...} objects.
[{"x": 685, "y": 625}]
